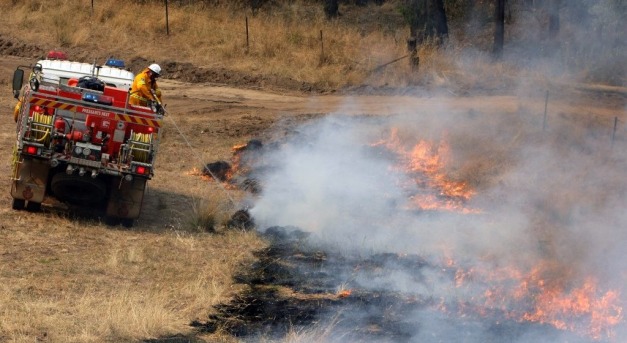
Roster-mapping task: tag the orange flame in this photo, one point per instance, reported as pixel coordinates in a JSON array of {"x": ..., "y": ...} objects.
[
  {"x": 235, "y": 167},
  {"x": 344, "y": 293},
  {"x": 426, "y": 162},
  {"x": 539, "y": 296}
]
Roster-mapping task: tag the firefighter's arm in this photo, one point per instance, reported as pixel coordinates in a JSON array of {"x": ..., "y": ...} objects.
[
  {"x": 158, "y": 94},
  {"x": 157, "y": 90},
  {"x": 144, "y": 90}
]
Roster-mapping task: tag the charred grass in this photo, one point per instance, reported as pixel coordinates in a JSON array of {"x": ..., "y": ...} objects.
[{"x": 296, "y": 292}]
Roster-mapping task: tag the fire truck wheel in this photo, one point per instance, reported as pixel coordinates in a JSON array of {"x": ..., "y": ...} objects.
[
  {"x": 78, "y": 189},
  {"x": 18, "y": 204},
  {"x": 33, "y": 206}
]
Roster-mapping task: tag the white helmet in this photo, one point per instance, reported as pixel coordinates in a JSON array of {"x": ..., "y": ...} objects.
[{"x": 155, "y": 68}]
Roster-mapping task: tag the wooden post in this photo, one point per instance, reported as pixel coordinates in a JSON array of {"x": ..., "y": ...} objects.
[
  {"x": 321, "y": 48},
  {"x": 546, "y": 104},
  {"x": 614, "y": 131},
  {"x": 412, "y": 49},
  {"x": 247, "y": 38},
  {"x": 92, "y": 8},
  {"x": 167, "y": 22}
]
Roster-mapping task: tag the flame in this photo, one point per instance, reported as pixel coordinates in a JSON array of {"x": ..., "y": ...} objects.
[
  {"x": 599, "y": 310},
  {"x": 236, "y": 160},
  {"x": 197, "y": 172},
  {"x": 542, "y": 295},
  {"x": 235, "y": 167},
  {"x": 344, "y": 293},
  {"x": 425, "y": 163}
]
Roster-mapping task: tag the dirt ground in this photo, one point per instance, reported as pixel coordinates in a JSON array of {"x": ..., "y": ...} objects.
[{"x": 210, "y": 115}]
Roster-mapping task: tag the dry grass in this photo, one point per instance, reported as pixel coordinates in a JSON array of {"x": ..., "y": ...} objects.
[
  {"x": 90, "y": 284},
  {"x": 285, "y": 40}
]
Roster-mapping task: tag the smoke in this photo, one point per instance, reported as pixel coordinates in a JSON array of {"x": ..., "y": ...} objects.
[
  {"x": 554, "y": 199},
  {"x": 550, "y": 198},
  {"x": 331, "y": 179},
  {"x": 326, "y": 181}
]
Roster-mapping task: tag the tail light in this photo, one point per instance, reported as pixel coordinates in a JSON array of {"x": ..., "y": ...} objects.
[
  {"x": 31, "y": 150},
  {"x": 141, "y": 170}
]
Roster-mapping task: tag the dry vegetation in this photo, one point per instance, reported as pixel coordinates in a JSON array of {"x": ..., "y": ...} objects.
[
  {"x": 285, "y": 41},
  {"x": 83, "y": 282}
]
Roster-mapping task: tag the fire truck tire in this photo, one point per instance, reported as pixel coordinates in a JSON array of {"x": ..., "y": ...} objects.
[
  {"x": 18, "y": 204},
  {"x": 33, "y": 206},
  {"x": 78, "y": 189}
]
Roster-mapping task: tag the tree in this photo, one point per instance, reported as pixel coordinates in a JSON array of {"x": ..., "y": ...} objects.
[
  {"x": 554, "y": 17},
  {"x": 499, "y": 29},
  {"x": 427, "y": 19},
  {"x": 331, "y": 8}
]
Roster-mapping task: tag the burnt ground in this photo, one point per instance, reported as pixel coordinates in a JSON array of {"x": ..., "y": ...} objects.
[{"x": 294, "y": 287}]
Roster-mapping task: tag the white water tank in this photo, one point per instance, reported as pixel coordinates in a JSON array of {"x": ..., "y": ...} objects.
[{"x": 62, "y": 70}]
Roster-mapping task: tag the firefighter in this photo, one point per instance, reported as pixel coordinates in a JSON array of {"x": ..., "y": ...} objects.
[{"x": 144, "y": 88}]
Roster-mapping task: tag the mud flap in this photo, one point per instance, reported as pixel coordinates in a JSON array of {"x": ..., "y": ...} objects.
[
  {"x": 125, "y": 200},
  {"x": 31, "y": 179}
]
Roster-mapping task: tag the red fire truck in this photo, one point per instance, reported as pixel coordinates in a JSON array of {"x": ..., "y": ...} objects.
[{"x": 79, "y": 140}]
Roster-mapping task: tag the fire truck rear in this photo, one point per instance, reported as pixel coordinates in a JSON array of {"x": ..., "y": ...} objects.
[{"x": 80, "y": 141}]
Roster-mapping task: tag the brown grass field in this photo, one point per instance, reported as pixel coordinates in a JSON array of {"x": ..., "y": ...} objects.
[{"x": 73, "y": 279}]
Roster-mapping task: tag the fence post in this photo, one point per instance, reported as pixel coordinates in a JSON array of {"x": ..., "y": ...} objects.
[
  {"x": 92, "y": 9},
  {"x": 614, "y": 132},
  {"x": 321, "y": 48},
  {"x": 167, "y": 21},
  {"x": 247, "y": 38},
  {"x": 546, "y": 104}
]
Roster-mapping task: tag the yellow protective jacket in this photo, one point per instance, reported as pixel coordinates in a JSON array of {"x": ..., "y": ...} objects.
[
  {"x": 17, "y": 108},
  {"x": 140, "y": 89}
]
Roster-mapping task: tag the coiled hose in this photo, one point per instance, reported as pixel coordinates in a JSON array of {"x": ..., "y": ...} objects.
[{"x": 140, "y": 146}]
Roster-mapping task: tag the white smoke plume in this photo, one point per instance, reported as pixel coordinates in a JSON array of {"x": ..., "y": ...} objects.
[{"x": 548, "y": 197}]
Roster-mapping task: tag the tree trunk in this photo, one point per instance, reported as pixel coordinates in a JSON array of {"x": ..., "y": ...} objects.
[
  {"x": 441, "y": 24},
  {"x": 427, "y": 19},
  {"x": 499, "y": 29},
  {"x": 331, "y": 8},
  {"x": 554, "y": 18}
]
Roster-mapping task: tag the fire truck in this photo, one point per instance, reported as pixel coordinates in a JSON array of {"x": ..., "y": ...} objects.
[{"x": 79, "y": 141}]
